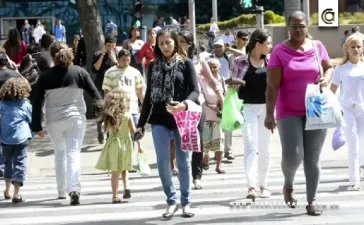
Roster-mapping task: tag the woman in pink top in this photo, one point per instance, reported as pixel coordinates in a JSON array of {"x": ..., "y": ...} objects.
[
  {"x": 15, "y": 48},
  {"x": 291, "y": 67}
]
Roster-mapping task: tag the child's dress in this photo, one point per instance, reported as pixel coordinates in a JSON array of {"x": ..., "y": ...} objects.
[{"x": 117, "y": 152}]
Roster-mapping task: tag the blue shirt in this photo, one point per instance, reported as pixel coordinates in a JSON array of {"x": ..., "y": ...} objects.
[
  {"x": 110, "y": 27},
  {"x": 59, "y": 32},
  {"x": 14, "y": 122}
]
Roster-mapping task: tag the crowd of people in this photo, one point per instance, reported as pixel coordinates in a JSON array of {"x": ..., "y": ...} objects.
[{"x": 149, "y": 82}]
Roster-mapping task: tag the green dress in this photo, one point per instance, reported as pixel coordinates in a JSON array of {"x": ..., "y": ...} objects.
[{"x": 116, "y": 155}]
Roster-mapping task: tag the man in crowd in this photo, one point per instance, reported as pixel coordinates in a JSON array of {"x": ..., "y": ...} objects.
[{"x": 103, "y": 61}]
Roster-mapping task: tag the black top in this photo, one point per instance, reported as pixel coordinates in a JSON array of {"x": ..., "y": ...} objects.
[
  {"x": 106, "y": 64},
  {"x": 6, "y": 75},
  {"x": 256, "y": 85},
  {"x": 185, "y": 88}
]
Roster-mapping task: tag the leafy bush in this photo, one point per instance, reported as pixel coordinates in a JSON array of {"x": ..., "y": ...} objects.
[{"x": 245, "y": 20}]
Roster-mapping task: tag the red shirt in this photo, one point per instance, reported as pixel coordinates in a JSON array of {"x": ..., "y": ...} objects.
[
  {"x": 146, "y": 51},
  {"x": 18, "y": 58}
]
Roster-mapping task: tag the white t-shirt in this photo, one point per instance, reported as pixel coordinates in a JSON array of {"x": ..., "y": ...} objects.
[
  {"x": 228, "y": 39},
  {"x": 38, "y": 33},
  {"x": 350, "y": 78},
  {"x": 128, "y": 80},
  {"x": 214, "y": 28}
]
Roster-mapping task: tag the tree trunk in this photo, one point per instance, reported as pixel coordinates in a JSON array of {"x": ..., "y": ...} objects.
[
  {"x": 93, "y": 36},
  {"x": 289, "y": 7}
]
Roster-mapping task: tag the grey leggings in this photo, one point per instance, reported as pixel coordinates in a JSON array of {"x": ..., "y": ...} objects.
[{"x": 297, "y": 145}]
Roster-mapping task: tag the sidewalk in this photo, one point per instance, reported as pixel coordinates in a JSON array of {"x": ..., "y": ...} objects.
[{"x": 41, "y": 155}]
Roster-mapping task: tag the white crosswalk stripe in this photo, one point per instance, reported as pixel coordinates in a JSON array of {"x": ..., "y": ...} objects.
[{"x": 220, "y": 202}]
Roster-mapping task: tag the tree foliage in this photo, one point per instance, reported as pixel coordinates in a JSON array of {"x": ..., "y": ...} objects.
[{"x": 227, "y": 9}]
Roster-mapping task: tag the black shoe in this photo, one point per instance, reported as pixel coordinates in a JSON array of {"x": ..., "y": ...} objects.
[
  {"x": 1, "y": 176},
  {"x": 229, "y": 156},
  {"x": 133, "y": 171},
  {"x": 126, "y": 194},
  {"x": 75, "y": 198},
  {"x": 100, "y": 138}
]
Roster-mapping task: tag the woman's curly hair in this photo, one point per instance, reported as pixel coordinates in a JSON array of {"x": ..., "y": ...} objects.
[
  {"x": 116, "y": 105},
  {"x": 15, "y": 88}
]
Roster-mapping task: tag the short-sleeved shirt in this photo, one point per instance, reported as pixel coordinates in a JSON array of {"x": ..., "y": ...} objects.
[
  {"x": 59, "y": 32},
  {"x": 299, "y": 69},
  {"x": 128, "y": 80},
  {"x": 350, "y": 77}
]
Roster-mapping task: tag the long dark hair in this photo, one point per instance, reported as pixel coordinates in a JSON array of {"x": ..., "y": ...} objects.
[
  {"x": 192, "y": 50},
  {"x": 173, "y": 34},
  {"x": 131, "y": 30},
  {"x": 12, "y": 45},
  {"x": 258, "y": 36}
]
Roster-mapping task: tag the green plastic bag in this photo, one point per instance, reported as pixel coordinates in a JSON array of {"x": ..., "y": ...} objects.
[
  {"x": 232, "y": 119},
  {"x": 143, "y": 165}
]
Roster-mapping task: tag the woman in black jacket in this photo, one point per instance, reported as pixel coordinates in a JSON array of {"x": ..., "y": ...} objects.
[{"x": 171, "y": 80}]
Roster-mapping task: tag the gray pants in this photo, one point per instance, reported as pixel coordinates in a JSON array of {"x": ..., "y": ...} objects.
[
  {"x": 300, "y": 145},
  {"x": 228, "y": 142}
]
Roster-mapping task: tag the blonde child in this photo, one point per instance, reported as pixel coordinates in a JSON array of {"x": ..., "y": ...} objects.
[
  {"x": 212, "y": 137},
  {"x": 116, "y": 155},
  {"x": 15, "y": 133}
]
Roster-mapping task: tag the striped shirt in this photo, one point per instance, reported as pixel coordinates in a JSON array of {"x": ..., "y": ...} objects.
[{"x": 128, "y": 80}]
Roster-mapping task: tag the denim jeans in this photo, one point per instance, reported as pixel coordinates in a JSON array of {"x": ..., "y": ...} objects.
[
  {"x": 2, "y": 165},
  {"x": 161, "y": 138},
  {"x": 15, "y": 157}
]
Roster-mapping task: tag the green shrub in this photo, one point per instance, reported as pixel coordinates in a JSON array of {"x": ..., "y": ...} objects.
[
  {"x": 269, "y": 17},
  {"x": 245, "y": 20}
]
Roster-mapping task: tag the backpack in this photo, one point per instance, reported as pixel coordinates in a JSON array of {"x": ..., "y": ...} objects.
[{"x": 29, "y": 69}]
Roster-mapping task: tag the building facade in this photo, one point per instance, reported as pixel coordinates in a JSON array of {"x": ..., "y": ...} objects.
[{"x": 14, "y": 12}]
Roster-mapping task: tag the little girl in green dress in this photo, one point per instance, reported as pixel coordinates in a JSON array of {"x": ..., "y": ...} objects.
[{"x": 116, "y": 155}]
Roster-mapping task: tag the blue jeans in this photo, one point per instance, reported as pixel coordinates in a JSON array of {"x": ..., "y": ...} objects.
[
  {"x": 161, "y": 138},
  {"x": 2, "y": 165},
  {"x": 15, "y": 157}
]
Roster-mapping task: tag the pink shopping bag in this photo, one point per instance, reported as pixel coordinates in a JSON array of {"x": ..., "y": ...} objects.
[{"x": 187, "y": 122}]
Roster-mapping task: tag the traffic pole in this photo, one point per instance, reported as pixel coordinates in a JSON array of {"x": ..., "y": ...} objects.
[{"x": 192, "y": 16}]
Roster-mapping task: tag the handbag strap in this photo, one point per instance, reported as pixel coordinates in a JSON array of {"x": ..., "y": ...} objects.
[{"x": 317, "y": 56}]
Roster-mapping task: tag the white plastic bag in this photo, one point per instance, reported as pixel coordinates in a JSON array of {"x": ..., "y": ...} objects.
[{"x": 323, "y": 109}]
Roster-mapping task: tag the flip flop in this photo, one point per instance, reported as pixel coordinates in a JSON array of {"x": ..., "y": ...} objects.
[
  {"x": 168, "y": 215},
  {"x": 18, "y": 200},
  {"x": 7, "y": 197}
]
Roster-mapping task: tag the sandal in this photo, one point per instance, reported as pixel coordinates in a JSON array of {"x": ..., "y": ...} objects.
[
  {"x": 116, "y": 200},
  {"x": 186, "y": 212},
  {"x": 206, "y": 166},
  {"x": 126, "y": 194},
  {"x": 18, "y": 200},
  {"x": 197, "y": 185},
  {"x": 168, "y": 214},
  {"x": 264, "y": 193},
  {"x": 220, "y": 171},
  {"x": 355, "y": 187},
  {"x": 288, "y": 194},
  {"x": 7, "y": 197},
  {"x": 251, "y": 194},
  {"x": 313, "y": 210}
]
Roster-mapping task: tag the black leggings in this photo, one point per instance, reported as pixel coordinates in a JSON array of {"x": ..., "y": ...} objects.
[{"x": 197, "y": 157}]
